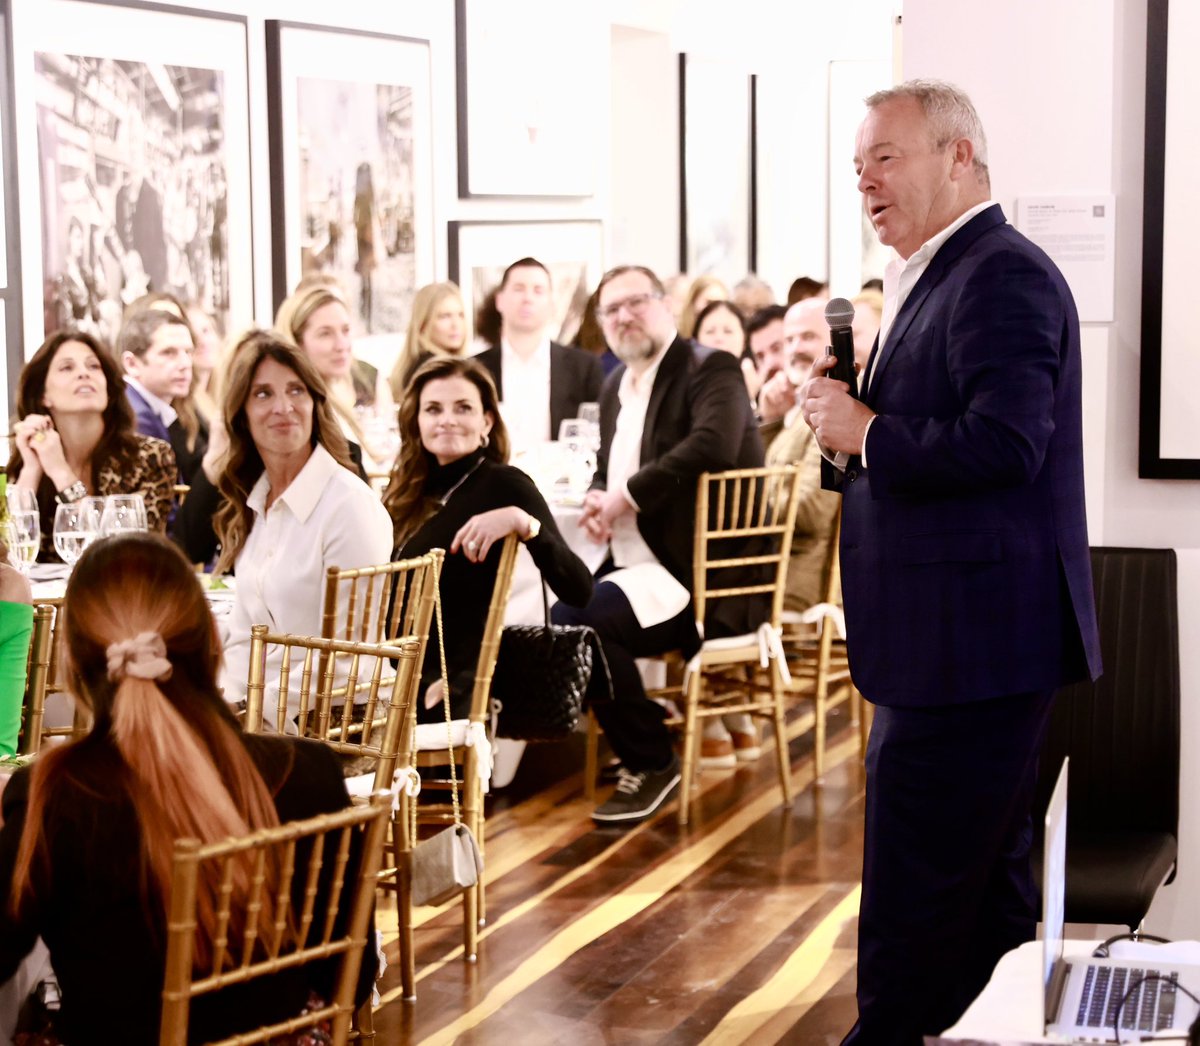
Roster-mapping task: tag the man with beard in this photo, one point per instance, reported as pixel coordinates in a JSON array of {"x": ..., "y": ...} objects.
[{"x": 672, "y": 411}]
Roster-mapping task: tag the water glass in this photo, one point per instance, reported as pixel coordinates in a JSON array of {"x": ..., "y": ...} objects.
[
  {"x": 76, "y": 526},
  {"x": 20, "y": 499},
  {"x": 122, "y": 513},
  {"x": 575, "y": 437},
  {"x": 24, "y": 537}
]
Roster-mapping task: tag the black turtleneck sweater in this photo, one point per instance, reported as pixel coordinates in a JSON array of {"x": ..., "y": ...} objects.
[{"x": 466, "y": 587}]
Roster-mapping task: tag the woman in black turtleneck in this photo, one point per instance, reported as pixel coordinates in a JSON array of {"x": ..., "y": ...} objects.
[{"x": 452, "y": 489}]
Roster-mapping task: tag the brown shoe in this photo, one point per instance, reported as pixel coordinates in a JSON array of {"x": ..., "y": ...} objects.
[
  {"x": 717, "y": 753},
  {"x": 746, "y": 747}
]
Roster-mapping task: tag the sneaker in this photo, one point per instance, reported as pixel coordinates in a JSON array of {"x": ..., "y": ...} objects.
[
  {"x": 716, "y": 753},
  {"x": 638, "y": 795},
  {"x": 746, "y": 746}
]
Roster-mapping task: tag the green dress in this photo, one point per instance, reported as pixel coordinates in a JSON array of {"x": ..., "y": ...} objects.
[{"x": 16, "y": 626}]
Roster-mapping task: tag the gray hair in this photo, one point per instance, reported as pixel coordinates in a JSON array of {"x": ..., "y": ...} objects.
[{"x": 949, "y": 113}]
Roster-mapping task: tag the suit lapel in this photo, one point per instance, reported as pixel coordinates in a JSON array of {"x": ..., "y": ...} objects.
[
  {"x": 559, "y": 383},
  {"x": 947, "y": 254}
]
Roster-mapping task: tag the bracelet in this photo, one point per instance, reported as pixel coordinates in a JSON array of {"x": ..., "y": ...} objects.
[{"x": 75, "y": 492}]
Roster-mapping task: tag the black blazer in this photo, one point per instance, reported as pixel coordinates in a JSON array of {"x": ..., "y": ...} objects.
[
  {"x": 698, "y": 420},
  {"x": 575, "y": 377}
]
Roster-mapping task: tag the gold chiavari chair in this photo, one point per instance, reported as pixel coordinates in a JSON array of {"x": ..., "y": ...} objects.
[
  {"x": 43, "y": 683},
  {"x": 296, "y": 933},
  {"x": 817, "y": 661},
  {"x": 310, "y": 691},
  {"x": 380, "y": 603},
  {"x": 433, "y": 748},
  {"x": 756, "y": 509}
]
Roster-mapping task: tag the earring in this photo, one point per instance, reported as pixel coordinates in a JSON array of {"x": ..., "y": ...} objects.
[{"x": 483, "y": 440}]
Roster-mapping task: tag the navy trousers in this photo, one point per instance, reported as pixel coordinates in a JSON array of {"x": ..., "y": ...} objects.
[{"x": 947, "y": 887}]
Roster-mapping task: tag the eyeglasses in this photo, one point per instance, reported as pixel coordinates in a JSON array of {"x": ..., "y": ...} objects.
[{"x": 635, "y": 303}]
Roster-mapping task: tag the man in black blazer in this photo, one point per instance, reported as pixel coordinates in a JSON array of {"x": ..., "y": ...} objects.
[
  {"x": 672, "y": 411},
  {"x": 964, "y": 552},
  {"x": 549, "y": 380}
]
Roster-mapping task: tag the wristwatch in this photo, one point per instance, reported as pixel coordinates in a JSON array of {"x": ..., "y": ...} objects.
[
  {"x": 535, "y": 528},
  {"x": 74, "y": 492}
]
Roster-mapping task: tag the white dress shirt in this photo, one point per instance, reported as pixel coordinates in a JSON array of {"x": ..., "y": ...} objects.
[
  {"x": 652, "y": 591},
  {"x": 526, "y": 396},
  {"x": 327, "y": 517},
  {"x": 166, "y": 413}
]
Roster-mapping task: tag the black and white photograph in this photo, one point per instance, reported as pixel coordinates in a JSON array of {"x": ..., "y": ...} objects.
[
  {"x": 351, "y": 171},
  {"x": 133, "y": 164},
  {"x": 572, "y": 251},
  {"x": 134, "y": 188},
  {"x": 715, "y": 176}
]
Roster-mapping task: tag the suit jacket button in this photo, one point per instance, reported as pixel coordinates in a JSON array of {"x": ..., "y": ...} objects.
[{"x": 852, "y": 475}]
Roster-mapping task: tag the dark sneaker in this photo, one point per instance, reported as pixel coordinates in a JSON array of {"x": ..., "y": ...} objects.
[{"x": 638, "y": 795}]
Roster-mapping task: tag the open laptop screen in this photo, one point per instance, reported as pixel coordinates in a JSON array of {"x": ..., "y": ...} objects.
[{"x": 1054, "y": 889}]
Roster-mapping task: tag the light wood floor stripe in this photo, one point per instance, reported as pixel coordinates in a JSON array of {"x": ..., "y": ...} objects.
[
  {"x": 553, "y": 816},
  {"x": 639, "y": 895},
  {"x": 777, "y": 998}
]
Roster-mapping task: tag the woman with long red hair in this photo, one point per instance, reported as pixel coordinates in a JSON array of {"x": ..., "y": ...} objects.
[{"x": 89, "y": 829}]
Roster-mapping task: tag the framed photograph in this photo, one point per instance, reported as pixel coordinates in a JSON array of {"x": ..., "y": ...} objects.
[
  {"x": 855, "y": 253},
  {"x": 479, "y": 252},
  {"x": 717, "y": 170},
  {"x": 133, "y": 163},
  {"x": 1169, "y": 442},
  {"x": 351, "y": 167},
  {"x": 530, "y": 101}
]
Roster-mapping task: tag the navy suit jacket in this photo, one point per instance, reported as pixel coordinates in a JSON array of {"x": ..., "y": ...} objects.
[
  {"x": 575, "y": 377},
  {"x": 148, "y": 423},
  {"x": 964, "y": 550}
]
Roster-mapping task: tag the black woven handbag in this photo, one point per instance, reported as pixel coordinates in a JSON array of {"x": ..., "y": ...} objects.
[{"x": 541, "y": 677}]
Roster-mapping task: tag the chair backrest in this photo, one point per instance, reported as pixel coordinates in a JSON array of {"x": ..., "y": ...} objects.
[
  {"x": 380, "y": 603},
  {"x": 298, "y": 931},
  {"x": 489, "y": 647},
  {"x": 37, "y": 679},
  {"x": 744, "y": 521},
  {"x": 1122, "y": 731},
  {"x": 314, "y": 690}
]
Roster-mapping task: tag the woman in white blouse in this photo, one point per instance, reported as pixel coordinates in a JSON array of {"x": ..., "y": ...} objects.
[{"x": 292, "y": 505}]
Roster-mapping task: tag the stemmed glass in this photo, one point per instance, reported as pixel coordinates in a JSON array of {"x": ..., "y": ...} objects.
[
  {"x": 76, "y": 525},
  {"x": 121, "y": 513},
  {"x": 576, "y": 438},
  {"x": 24, "y": 537}
]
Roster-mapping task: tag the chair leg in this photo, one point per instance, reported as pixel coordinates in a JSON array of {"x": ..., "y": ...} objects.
[
  {"x": 781, "y": 744},
  {"x": 364, "y": 1023},
  {"x": 404, "y": 922},
  {"x": 690, "y": 740},
  {"x": 591, "y": 757},
  {"x": 471, "y": 817}
]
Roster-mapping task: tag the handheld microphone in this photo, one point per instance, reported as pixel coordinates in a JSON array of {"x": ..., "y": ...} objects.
[{"x": 839, "y": 314}]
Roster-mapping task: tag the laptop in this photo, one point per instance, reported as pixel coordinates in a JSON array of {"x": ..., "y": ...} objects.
[{"x": 1083, "y": 993}]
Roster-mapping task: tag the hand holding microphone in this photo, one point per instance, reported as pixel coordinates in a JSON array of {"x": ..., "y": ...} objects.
[{"x": 839, "y": 314}]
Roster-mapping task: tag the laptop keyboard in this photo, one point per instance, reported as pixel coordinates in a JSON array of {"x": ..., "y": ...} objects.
[{"x": 1150, "y": 1006}]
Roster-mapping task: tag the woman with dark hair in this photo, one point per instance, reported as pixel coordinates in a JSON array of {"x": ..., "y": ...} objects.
[
  {"x": 291, "y": 504},
  {"x": 720, "y": 326},
  {"x": 88, "y": 831},
  {"x": 452, "y": 488},
  {"x": 75, "y": 435}
]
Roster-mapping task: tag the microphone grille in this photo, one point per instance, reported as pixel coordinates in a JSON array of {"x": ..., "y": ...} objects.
[{"x": 839, "y": 313}]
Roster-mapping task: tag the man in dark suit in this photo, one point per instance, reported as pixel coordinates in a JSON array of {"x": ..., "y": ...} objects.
[
  {"x": 540, "y": 383},
  {"x": 155, "y": 350},
  {"x": 964, "y": 554},
  {"x": 672, "y": 411}
]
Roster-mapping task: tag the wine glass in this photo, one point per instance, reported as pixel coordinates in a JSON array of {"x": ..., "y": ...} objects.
[
  {"x": 589, "y": 414},
  {"x": 76, "y": 525},
  {"x": 121, "y": 513},
  {"x": 575, "y": 436},
  {"x": 20, "y": 499},
  {"x": 24, "y": 537}
]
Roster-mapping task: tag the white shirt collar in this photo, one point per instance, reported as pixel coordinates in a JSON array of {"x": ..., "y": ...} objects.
[
  {"x": 303, "y": 493},
  {"x": 540, "y": 356},
  {"x": 645, "y": 381},
  {"x": 931, "y": 246},
  {"x": 166, "y": 413}
]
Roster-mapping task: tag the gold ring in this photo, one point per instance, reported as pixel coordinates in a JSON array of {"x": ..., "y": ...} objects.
[{"x": 39, "y": 436}]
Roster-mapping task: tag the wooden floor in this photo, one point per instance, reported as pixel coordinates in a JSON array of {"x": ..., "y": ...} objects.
[{"x": 738, "y": 928}]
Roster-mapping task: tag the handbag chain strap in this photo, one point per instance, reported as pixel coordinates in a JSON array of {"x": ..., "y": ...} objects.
[{"x": 437, "y": 605}]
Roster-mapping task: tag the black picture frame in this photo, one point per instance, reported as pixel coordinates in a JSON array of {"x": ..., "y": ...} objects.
[
  {"x": 288, "y": 244},
  {"x": 693, "y": 216},
  {"x": 1151, "y": 462}
]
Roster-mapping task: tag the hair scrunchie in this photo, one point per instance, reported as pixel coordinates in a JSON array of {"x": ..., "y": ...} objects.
[{"x": 143, "y": 657}]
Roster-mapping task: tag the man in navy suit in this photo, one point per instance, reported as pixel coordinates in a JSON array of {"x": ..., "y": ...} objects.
[{"x": 964, "y": 556}]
